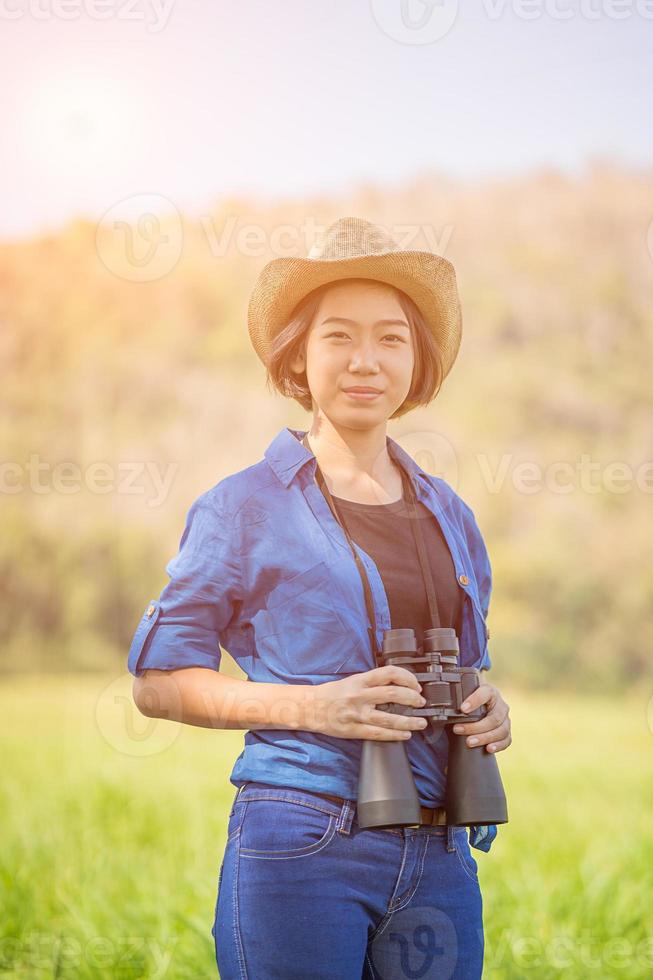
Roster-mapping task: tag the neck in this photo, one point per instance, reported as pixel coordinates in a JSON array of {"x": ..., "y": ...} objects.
[{"x": 345, "y": 452}]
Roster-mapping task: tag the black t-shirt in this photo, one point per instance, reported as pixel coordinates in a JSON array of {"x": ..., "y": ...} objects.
[{"x": 384, "y": 532}]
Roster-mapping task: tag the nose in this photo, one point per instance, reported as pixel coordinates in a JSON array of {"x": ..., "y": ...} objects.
[{"x": 364, "y": 360}]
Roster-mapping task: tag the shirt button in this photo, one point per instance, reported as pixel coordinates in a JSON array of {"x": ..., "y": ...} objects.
[
  {"x": 150, "y": 610},
  {"x": 463, "y": 580}
]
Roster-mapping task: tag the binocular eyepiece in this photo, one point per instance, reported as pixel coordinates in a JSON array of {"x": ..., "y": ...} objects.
[{"x": 387, "y": 795}]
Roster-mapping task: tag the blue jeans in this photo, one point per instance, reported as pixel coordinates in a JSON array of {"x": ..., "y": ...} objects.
[{"x": 304, "y": 892}]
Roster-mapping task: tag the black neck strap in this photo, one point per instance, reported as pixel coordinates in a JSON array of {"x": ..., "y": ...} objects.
[{"x": 416, "y": 527}]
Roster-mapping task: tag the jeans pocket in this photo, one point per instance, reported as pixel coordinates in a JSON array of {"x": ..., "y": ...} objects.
[
  {"x": 465, "y": 857},
  {"x": 274, "y": 828}
]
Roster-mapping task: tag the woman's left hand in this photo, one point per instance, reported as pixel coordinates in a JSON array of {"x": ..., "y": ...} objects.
[{"x": 492, "y": 731}]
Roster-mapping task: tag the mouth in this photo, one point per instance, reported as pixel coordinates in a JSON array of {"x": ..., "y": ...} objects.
[{"x": 362, "y": 390}]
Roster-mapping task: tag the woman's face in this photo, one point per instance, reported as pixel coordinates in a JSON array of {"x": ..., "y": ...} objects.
[{"x": 359, "y": 337}]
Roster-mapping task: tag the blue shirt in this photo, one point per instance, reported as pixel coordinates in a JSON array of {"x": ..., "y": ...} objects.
[{"x": 265, "y": 571}]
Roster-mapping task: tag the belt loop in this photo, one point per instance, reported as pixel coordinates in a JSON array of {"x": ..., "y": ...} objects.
[
  {"x": 346, "y": 817},
  {"x": 451, "y": 839}
]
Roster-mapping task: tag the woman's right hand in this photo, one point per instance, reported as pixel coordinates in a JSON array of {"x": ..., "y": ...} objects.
[{"x": 347, "y": 708}]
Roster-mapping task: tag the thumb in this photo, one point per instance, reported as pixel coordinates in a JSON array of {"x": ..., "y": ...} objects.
[{"x": 476, "y": 699}]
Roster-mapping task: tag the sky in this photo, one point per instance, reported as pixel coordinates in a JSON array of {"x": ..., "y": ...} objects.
[{"x": 195, "y": 100}]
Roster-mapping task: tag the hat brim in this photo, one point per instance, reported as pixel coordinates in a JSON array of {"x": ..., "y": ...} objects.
[{"x": 429, "y": 280}]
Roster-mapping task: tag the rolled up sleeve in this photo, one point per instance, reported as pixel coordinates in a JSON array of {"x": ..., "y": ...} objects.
[{"x": 182, "y": 627}]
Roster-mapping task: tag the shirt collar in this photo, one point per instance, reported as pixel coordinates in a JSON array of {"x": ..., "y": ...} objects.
[{"x": 286, "y": 456}]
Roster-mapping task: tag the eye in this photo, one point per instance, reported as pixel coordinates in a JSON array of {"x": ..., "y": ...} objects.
[{"x": 340, "y": 333}]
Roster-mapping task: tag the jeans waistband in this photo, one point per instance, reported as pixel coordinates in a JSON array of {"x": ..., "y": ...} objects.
[{"x": 429, "y": 817}]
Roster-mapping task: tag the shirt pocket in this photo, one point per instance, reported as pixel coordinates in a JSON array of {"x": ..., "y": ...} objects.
[{"x": 303, "y": 629}]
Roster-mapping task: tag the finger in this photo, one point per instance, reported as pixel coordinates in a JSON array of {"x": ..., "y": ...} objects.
[
  {"x": 493, "y": 719},
  {"x": 500, "y": 745},
  {"x": 480, "y": 696},
  {"x": 379, "y": 734},
  {"x": 477, "y": 727},
  {"x": 398, "y": 695},
  {"x": 403, "y": 723},
  {"x": 391, "y": 674},
  {"x": 486, "y": 738}
]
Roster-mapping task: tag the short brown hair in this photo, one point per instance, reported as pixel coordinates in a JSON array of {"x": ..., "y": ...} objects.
[{"x": 427, "y": 372}]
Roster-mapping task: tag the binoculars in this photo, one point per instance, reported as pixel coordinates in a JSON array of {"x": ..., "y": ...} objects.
[{"x": 387, "y": 795}]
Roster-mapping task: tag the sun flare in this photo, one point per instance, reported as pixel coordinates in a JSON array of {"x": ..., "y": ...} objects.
[{"x": 84, "y": 124}]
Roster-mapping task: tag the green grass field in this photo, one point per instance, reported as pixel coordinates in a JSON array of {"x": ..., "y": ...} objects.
[{"x": 114, "y": 829}]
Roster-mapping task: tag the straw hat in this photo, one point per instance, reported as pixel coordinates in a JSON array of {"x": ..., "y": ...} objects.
[{"x": 355, "y": 248}]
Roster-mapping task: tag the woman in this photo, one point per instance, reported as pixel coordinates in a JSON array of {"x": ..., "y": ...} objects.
[{"x": 297, "y": 565}]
